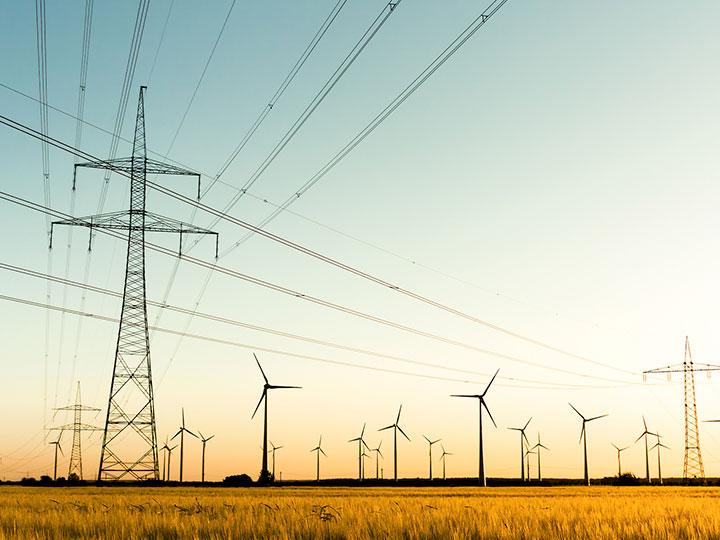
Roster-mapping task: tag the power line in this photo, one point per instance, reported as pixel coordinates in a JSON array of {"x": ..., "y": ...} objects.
[
  {"x": 160, "y": 42},
  {"x": 202, "y": 76},
  {"x": 309, "y": 298},
  {"x": 279, "y": 333},
  {"x": 41, "y": 46},
  {"x": 256, "y": 124},
  {"x": 84, "y": 61},
  {"x": 138, "y": 31},
  {"x": 354, "y": 238},
  {"x": 95, "y": 316},
  {"x": 329, "y": 260}
]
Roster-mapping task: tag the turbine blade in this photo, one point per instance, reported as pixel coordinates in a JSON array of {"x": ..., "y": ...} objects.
[
  {"x": 273, "y": 387},
  {"x": 526, "y": 425},
  {"x": 582, "y": 432},
  {"x": 475, "y": 396},
  {"x": 210, "y": 437},
  {"x": 641, "y": 436},
  {"x": 178, "y": 433},
  {"x": 404, "y": 434},
  {"x": 644, "y": 422},
  {"x": 483, "y": 404},
  {"x": 428, "y": 440},
  {"x": 596, "y": 417},
  {"x": 379, "y": 452},
  {"x": 261, "y": 369},
  {"x": 397, "y": 421},
  {"x": 363, "y": 430},
  {"x": 183, "y": 417},
  {"x": 387, "y": 427},
  {"x": 262, "y": 396},
  {"x": 491, "y": 381},
  {"x": 201, "y": 435},
  {"x": 365, "y": 444},
  {"x": 355, "y": 439},
  {"x": 578, "y": 412},
  {"x": 191, "y": 433}
]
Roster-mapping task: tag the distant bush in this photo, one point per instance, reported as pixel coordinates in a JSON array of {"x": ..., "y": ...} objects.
[
  {"x": 627, "y": 479},
  {"x": 238, "y": 480}
]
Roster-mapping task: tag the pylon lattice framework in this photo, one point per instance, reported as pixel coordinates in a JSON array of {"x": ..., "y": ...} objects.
[
  {"x": 693, "y": 463},
  {"x": 129, "y": 447},
  {"x": 77, "y": 427}
]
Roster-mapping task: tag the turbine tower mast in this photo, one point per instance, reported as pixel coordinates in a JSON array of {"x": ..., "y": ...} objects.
[
  {"x": 693, "y": 464},
  {"x": 129, "y": 445}
]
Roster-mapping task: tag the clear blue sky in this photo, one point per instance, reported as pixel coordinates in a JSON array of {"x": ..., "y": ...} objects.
[{"x": 563, "y": 164}]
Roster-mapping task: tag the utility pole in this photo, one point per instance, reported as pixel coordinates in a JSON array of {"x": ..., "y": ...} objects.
[
  {"x": 129, "y": 445},
  {"x": 76, "y": 466},
  {"x": 693, "y": 464}
]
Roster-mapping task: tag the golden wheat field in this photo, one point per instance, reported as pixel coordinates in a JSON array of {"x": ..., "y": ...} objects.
[{"x": 557, "y": 512}]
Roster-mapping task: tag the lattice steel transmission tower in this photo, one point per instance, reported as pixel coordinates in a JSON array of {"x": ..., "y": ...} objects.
[
  {"x": 693, "y": 464},
  {"x": 129, "y": 447},
  {"x": 77, "y": 428}
]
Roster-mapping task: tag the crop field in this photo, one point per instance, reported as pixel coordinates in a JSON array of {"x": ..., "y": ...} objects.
[{"x": 556, "y": 512}]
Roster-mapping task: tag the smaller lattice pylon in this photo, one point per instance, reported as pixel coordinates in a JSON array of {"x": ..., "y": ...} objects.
[
  {"x": 693, "y": 464},
  {"x": 77, "y": 428}
]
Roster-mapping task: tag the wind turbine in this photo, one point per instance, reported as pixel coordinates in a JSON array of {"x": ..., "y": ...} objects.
[
  {"x": 377, "y": 453},
  {"x": 528, "y": 453},
  {"x": 361, "y": 442},
  {"x": 523, "y": 440},
  {"x": 204, "y": 441},
  {"x": 181, "y": 432},
  {"x": 659, "y": 445},
  {"x": 583, "y": 438},
  {"x": 442, "y": 457},
  {"x": 537, "y": 448},
  {"x": 273, "y": 450},
  {"x": 318, "y": 449},
  {"x": 166, "y": 448},
  {"x": 395, "y": 427},
  {"x": 264, "y": 474},
  {"x": 363, "y": 456},
  {"x": 430, "y": 445},
  {"x": 618, "y": 456},
  {"x": 645, "y": 434},
  {"x": 57, "y": 447},
  {"x": 481, "y": 404}
]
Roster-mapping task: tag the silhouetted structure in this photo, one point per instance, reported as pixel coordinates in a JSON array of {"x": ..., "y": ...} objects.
[{"x": 129, "y": 447}]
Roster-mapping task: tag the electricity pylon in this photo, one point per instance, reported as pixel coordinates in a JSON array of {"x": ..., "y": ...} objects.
[
  {"x": 129, "y": 447},
  {"x": 77, "y": 428},
  {"x": 693, "y": 464}
]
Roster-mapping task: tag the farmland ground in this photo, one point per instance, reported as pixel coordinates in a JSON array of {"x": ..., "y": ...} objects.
[{"x": 283, "y": 512}]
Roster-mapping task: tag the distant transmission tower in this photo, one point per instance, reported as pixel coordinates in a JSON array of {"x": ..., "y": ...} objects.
[
  {"x": 129, "y": 448},
  {"x": 693, "y": 466},
  {"x": 77, "y": 428}
]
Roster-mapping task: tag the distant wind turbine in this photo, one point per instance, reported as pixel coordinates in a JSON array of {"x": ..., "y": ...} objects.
[
  {"x": 361, "y": 442},
  {"x": 273, "y": 450},
  {"x": 395, "y": 427},
  {"x": 430, "y": 445},
  {"x": 57, "y": 447},
  {"x": 165, "y": 448},
  {"x": 528, "y": 453},
  {"x": 537, "y": 448},
  {"x": 181, "y": 432},
  {"x": 318, "y": 450},
  {"x": 645, "y": 434},
  {"x": 264, "y": 473},
  {"x": 204, "y": 441},
  {"x": 583, "y": 438},
  {"x": 619, "y": 450},
  {"x": 481, "y": 403},
  {"x": 659, "y": 445},
  {"x": 442, "y": 458},
  {"x": 377, "y": 453},
  {"x": 523, "y": 440}
]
